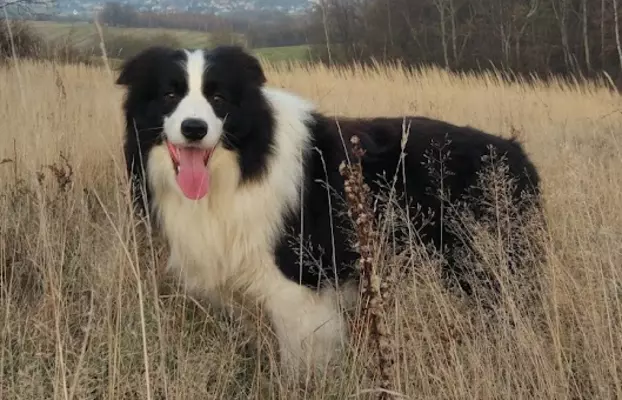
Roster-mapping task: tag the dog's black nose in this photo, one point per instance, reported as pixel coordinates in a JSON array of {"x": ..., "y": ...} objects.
[{"x": 194, "y": 129}]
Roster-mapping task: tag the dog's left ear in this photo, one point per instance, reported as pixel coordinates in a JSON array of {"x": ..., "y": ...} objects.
[
  {"x": 139, "y": 66},
  {"x": 236, "y": 56},
  {"x": 254, "y": 69}
]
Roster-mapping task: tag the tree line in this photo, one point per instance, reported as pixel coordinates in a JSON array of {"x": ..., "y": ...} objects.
[
  {"x": 562, "y": 37},
  {"x": 524, "y": 37}
]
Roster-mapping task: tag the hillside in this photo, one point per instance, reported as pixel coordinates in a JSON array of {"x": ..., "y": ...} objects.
[
  {"x": 78, "y": 8},
  {"x": 84, "y": 35}
]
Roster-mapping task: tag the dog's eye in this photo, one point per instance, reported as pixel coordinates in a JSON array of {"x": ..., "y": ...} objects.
[
  {"x": 218, "y": 98},
  {"x": 170, "y": 96}
]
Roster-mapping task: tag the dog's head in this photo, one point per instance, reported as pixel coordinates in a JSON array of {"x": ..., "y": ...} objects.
[{"x": 184, "y": 107}]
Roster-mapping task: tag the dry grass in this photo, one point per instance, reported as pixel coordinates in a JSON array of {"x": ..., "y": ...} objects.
[{"x": 84, "y": 315}]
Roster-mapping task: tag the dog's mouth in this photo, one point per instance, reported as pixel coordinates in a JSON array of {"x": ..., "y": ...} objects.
[{"x": 191, "y": 173}]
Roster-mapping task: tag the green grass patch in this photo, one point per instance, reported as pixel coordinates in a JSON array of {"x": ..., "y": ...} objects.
[{"x": 285, "y": 53}]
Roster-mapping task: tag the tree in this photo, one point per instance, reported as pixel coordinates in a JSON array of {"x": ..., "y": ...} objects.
[
  {"x": 586, "y": 40},
  {"x": 8, "y": 7},
  {"x": 116, "y": 14}
]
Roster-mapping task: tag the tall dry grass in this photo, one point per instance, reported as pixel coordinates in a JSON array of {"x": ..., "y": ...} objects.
[{"x": 84, "y": 312}]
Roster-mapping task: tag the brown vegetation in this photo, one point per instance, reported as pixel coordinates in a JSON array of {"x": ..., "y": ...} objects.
[{"x": 86, "y": 314}]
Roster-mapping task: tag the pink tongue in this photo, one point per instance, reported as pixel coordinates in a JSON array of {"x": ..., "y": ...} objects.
[{"x": 192, "y": 178}]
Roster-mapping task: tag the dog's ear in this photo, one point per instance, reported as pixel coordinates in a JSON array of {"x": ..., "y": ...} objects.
[
  {"x": 253, "y": 68},
  {"x": 138, "y": 66},
  {"x": 243, "y": 61}
]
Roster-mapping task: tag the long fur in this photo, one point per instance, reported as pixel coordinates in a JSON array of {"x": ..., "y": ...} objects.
[{"x": 275, "y": 188}]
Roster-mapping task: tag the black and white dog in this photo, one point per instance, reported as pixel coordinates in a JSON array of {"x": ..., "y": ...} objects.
[{"x": 233, "y": 171}]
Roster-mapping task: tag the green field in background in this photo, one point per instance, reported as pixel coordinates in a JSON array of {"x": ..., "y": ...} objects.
[{"x": 84, "y": 35}]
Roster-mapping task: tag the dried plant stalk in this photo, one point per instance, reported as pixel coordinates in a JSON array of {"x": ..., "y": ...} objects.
[{"x": 372, "y": 313}]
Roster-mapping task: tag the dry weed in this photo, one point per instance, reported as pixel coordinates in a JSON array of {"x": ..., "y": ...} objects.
[{"x": 372, "y": 313}]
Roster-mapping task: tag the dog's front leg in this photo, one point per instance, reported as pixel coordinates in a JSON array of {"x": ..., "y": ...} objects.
[{"x": 309, "y": 326}]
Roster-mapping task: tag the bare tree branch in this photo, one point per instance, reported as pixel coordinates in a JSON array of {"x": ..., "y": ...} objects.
[{"x": 23, "y": 4}]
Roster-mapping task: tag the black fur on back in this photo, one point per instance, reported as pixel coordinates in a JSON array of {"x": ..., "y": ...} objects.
[{"x": 465, "y": 149}]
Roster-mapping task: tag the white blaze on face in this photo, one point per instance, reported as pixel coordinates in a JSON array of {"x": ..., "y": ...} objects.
[
  {"x": 194, "y": 105},
  {"x": 192, "y": 176}
]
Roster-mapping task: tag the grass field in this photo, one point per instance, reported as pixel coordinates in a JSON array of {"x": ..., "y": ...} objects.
[
  {"x": 285, "y": 53},
  {"x": 85, "y": 312},
  {"x": 84, "y": 35}
]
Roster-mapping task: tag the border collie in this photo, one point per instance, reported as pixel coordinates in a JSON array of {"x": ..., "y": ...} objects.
[{"x": 233, "y": 170}]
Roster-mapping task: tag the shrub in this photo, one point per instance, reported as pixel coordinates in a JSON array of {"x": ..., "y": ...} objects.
[{"x": 19, "y": 39}]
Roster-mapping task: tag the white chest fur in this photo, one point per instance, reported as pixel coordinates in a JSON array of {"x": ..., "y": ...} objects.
[
  {"x": 226, "y": 240},
  {"x": 228, "y": 237},
  {"x": 223, "y": 244}
]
